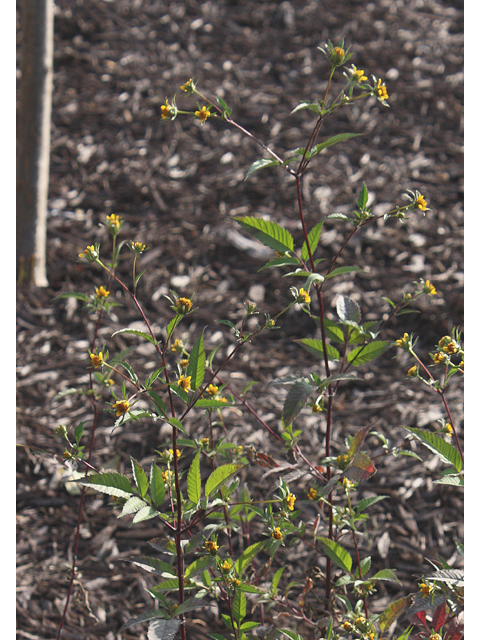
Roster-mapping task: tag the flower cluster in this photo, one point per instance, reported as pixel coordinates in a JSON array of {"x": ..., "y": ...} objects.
[
  {"x": 121, "y": 407},
  {"x": 405, "y": 342},
  {"x": 91, "y": 253}
]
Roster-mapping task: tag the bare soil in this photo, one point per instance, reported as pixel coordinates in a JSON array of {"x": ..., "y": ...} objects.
[{"x": 178, "y": 187}]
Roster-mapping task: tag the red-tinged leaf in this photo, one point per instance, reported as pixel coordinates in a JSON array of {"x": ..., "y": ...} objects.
[
  {"x": 439, "y": 617},
  {"x": 454, "y": 631},
  {"x": 420, "y": 617},
  {"x": 360, "y": 468},
  {"x": 358, "y": 440},
  {"x": 392, "y": 612}
]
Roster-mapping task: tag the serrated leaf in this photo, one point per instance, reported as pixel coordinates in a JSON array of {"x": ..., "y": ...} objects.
[
  {"x": 132, "y": 505},
  {"x": 198, "y": 565},
  {"x": 113, "y": 484},
  {"x": 143, "y": 617},
  {"x": 314, "y": 346},
  {"x": 362, "y": 197},
  {"x": 196, "y": 363},
  {"x": 73, "y": 294},
  {"x": 296, "y": 399},
  {"x": 136, "y": 332},
  {"x": 163, "y": 629},
  {"x": 129, "y": 369},
  {"x": 154, "y": 566},
  {"x": 348, "y": 309},
  {"x": 337, "y": 554},
  {"x": 211, "y": 403},
  {"x": 157, "y": 485},
  {"x": 392, "y": 612},
  {"x": 248, "y": 555},
  {"x": 453, "y": 480},
  {"x": 447, "y": 452},
  {"x": 269, "y": 233},
  {"x": 221, "y": 476},
  {"x": 239, "y": 607},
  {"x": 386, "y": 574},
  {"x": 160, "y": 405},
  {"x": 263, "y": 163},
  {"x": 194, "y": 481},
  {"x": 306, "y": 104},
  {"x": 313, "y": 238},
  {"x": 367, "y": 353},
  {"x": 282, "y": 261},
  {"x": 341, "y": 137},
  {"x": 175, "y": 422},
  {"x": 367, "y": 502},
  {"x": 147, "y": 513},
  {"x": 190, "y": 604},
  {"x": 140, "y": 477},
  {"x": 276, "y": 579},
  {"x": 340, "y": 270},
  {"x": 337, "y": 216}
]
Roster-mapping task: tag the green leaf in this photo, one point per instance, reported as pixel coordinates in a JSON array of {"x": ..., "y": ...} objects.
[
  {"x": 147, "y": 513},
  {"x": 447, "y": 452},
  {"x": 335, "y": 378},
  {"x": 160, "y": 405},
  {"x": 221, "y": 476},
  {"x": 175, "y": 422},
  {"x": 368, "y": 352},
  {"x": 196, "y": 363},
  {"x": 337, "y": 554},
  {"x": 307, "y": 104},
  {"x": 129, "y": 369},
  {"x": 154, "y": 566},
  {"x": 386, "y": 574},
  {"x": 363, "y": 197},
  {"x": 291, "y": 634},
  {"x": 365, "y": 565},
  {"x": 190, "y": 604},
  {"x": 199, "y": 564},
  {"x": 194, "y": 481},
  {"x": 138, "y": 278},
  {"x": 140, "y": 477},
  {"x": 136, "y": 332},
  {"x": 73, "y": 294},
  {"x": 452, "y": 480},
  {"x": 331, "y": 141},
  {"x": 263, "y": 163},
  {"x": 270, "y": 233},
  {"x": 340, "y": 270},
  {"x": 296, "y": 399},
  {"x": 239, "y": 607},
  {"x": 367, "y": 502},
  {"x": 248, "y": 555},
  {"x": 132, "y": 505},
  {"x": 337, "y": 216},
  {"x": 157, "y": 485},
  {"x": 313, "y": 238},
  {"x": 113, "y": 484},
  {"x": 348, "y": 310},
  {"x": 314, "y": 346},
  {"x": 211, "y": 403},
  {"x": 276, "y": 579},
  {"x": 282, "y": 261}
]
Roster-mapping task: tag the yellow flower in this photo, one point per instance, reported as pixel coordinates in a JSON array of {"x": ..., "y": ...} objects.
[
  {"x": 102, "y": 292},
  {"x": 187, "y": 87},
  {"x": 166, "y": 109},
  {"x": 97, "y": 360},
  {"x": 205, "y": 441},
  {"x": 358, "y": 74},
  {"x": 429, "y": 288},
  {"x": 225, "y": 566},
  {"x": 166, "y": 475},
  {"x": 185, "y": 382},
  {"x": 184, "y": 363},
  {"x": 421, "y": 203},
  {"x": 90, "y": 253},
  {"x": 212, "y": 390},
  {"x": 439, "y": 358},
  {"x": 404, "y": 343},
  {"x": 448, "y": 429},
  {"x": 236, "y": 582},
  {"x": 183, "y": 305},
  {"x": 425, "y": 589},
  {"x": 179, "y": 453},
  {"x": 360, "y": 620},
  {"x": 290, "y": 500},
  {"x": 312, "y": 494},
  {"x": 121, "y": 406},
  {"x": 347, "y": 625},
  {"x": 277, "y": 534},
  {"x": 435, "y": 636},
  {"x": 381, "y": 91},
  {"x": 203, "y": 114},
  {"x": 138, "y": 247},
  {"x": 447, "y": 345},
  {"x": 177, "y": 345},
  {"x": 211, "y": 547},
  {"x": 114, "y": 221},
  {"x": 316, "y": 408},
  {"x": 303, "y": 297},
  {"x": 412, "y": 372}
]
